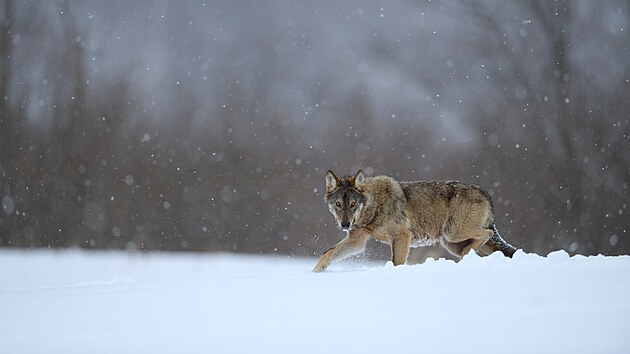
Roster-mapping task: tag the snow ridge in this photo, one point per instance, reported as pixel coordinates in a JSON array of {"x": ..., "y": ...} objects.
[{"x": 106, "y": 302}]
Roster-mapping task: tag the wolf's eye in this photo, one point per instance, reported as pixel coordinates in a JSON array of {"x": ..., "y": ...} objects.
[
  {"x": 352, "y": 204},
  {"x": 338, "y": 204}
]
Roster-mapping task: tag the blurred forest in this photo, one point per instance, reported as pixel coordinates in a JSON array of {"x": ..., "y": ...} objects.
[{"x": 209, "y": 126}]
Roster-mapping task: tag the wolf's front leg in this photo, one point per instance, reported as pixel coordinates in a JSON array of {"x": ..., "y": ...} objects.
[
  {"x": 352, "y": 244},
  {"x": 400, "y": 248}
]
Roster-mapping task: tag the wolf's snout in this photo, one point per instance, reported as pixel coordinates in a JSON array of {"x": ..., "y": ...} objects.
[{"x": 345, "y": 225}]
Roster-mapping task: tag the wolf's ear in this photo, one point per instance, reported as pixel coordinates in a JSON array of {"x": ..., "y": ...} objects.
[
  {"x": 359, "y": 178},
  {"x": 331, "y": 181}
]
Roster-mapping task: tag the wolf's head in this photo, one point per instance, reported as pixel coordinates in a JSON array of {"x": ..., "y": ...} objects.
[{"x": 345, "y": 198}]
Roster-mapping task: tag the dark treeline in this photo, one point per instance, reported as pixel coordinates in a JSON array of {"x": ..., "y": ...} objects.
[{"x": 210, "y": 126}]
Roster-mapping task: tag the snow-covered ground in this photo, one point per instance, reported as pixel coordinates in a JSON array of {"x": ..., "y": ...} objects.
[{"x": 116, "y": 302}]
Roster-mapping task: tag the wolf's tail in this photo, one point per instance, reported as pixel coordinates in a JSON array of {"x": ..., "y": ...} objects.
[{"x": 497, "y": 243}]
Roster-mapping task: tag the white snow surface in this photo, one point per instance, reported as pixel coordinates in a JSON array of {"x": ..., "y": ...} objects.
[{"x": 118, "y": 302}]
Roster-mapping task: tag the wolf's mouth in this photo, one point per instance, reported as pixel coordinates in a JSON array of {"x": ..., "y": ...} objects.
[{"x": 346, "y": 226}]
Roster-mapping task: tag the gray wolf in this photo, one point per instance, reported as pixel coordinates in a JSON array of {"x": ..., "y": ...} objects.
[{"x": 457, "y": 215}]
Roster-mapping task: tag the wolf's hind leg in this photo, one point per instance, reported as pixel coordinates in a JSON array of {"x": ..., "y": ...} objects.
[
  {"x": 477, "y": 233},
  {"x": 476, "y": 246},
  {"x": 352, "y": 244},
  {"x": 455, "y": 248},
  {"x": 461, "y": 242}
]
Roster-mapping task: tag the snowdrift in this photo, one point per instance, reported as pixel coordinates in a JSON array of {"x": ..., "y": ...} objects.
[{"x": 89, "y": 302}]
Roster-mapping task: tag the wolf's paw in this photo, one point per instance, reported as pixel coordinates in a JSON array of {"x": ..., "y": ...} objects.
[{"x": 319, "y": 268}]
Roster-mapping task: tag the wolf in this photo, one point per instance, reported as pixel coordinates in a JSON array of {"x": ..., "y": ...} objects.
[{"x": 457, "y": 215}]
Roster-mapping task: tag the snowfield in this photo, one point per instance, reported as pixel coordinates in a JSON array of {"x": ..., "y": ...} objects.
[{"x": 118, "y": 302}]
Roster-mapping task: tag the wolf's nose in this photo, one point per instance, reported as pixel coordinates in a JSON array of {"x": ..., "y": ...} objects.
[{"x": 345, "y": 224}]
